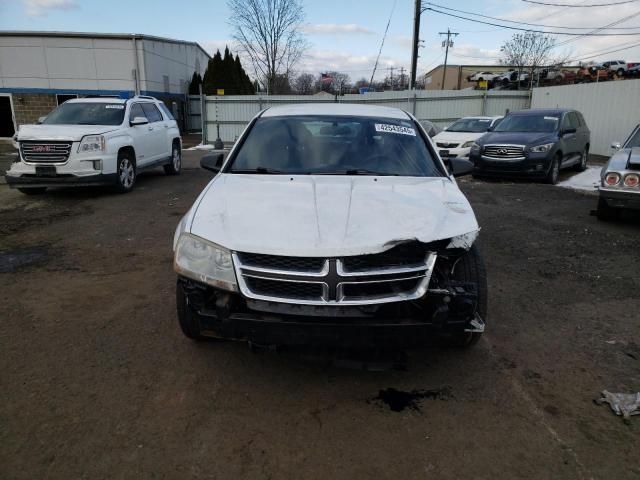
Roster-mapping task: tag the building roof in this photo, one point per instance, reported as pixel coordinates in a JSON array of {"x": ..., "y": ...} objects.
[
  {"x": 338, "y": 109},
  {"x": 122, "y": 36}
]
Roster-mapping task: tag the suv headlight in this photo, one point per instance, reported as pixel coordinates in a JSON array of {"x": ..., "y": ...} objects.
[
  {"x": 542, "y": 148},
  {"x": 205, "y": 262},
  {"x": 92, "y": 143},
  {"x": 468, "y": 144}
]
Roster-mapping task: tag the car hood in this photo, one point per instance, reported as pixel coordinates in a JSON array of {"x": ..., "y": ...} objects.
[
  {"x": 518, "y": 138},
  {"x": 456, "y": 137},
  {"x": 328, "y": 216},
  {"x": 621, "y": 160},
  {"x": 61, "y": 132}
]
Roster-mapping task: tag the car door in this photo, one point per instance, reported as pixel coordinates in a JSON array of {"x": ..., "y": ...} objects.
[
  {"x": 584, "y": 135},
  {"x": 141, "y": 134},
  {"x": 569, "y": 140},
  {"x": 159, "y": 148}
]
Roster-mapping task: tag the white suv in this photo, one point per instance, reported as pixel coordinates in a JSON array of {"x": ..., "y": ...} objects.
[{"x": 96, "y": 141}]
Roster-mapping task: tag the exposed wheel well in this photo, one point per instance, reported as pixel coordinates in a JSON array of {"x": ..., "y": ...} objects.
[{"x": 130, "y": 151}]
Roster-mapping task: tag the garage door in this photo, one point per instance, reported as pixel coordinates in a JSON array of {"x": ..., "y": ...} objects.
[{"x": 6, "y": 118}]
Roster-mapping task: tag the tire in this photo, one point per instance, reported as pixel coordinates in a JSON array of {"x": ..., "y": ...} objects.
[
  {"x": 582, "y": 165},
  {"x": 471, "y": 269},
  {"x": 554, "y": 171},
  {"x": 174, "y": 167},
  {"x": 188, "y": 324},
  {"x": 126, "y": 173},
  {"x": 620, "y": 72},
  {"x": 33, "y": 191},
  {"x": 605, "y": 212}
]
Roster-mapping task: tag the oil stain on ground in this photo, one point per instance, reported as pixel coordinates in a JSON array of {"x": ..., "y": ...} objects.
[
  {"x": 13, "y": 260},
  {"x": 397, "y": 400}
]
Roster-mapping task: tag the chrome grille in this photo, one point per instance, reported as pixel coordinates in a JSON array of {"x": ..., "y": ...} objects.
[
  {"x": 503, "y": 151},
  {"x": 447, "y": 145},
  {"x": 402, "y": 273},
  {"x": 45, "y": 152}
]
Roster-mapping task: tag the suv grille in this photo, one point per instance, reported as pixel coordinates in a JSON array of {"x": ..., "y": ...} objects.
[
  {"x": 45, "y": 152},
  {"x": 401, "y": 273},
  {"x": 504, "y": 151}
]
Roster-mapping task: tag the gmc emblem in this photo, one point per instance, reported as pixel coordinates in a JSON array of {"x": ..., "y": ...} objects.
[{"x": 43, "y": 148}]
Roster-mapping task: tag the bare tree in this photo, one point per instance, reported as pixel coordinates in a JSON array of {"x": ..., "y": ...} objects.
[
  {"x": 303, "y": 84},
  {"x": 269, "y": 33},
  {"x": 528, "y": 51}
]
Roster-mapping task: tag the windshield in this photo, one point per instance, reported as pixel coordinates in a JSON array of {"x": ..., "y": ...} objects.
[
  {"x": 634, "y": 139},
  {"x": 326, "y": 145},
  {"x": 528, "y": 123},
  {"x": 473, "y": 125},
  {"x": 86, "y": 114}
]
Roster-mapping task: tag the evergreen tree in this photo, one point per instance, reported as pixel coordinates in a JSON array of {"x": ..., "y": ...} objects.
[
  {"x": 226, "y": 73},
  {"x": 194, "y": 85}
]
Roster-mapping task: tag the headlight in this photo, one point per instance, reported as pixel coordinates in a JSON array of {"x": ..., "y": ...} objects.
[
  {"x": 92, "y": 143},
  {"x": 612, "y": 179},
  {"x": 469, "y": 144},
  {"x": 474, "y": 146},
  {"x": 542, "y": 148},
  {"x": 205, "y": 262}
]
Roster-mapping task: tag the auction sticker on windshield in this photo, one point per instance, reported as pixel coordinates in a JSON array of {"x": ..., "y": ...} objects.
[
  {"x": 117, "y": 107},
  {"x": 384, "y": 127}
]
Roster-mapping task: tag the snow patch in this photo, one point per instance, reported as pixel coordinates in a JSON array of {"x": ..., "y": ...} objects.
[
  {"x": 589, "y": 180},
  {"x": 202, "y": 147}
]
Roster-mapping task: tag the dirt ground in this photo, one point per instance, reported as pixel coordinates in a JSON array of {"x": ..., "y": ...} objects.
[{"x": 98, "y": 382}]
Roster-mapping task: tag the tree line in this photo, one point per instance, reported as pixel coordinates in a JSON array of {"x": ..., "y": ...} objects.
[{"x": 223, "y": 73}]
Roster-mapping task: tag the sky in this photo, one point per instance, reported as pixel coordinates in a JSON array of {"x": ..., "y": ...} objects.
[{"x": 346, "y": 35}]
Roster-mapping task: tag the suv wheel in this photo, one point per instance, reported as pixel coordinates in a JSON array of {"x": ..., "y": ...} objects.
[
  {"x": 582, "y": 165},
  {"x": 173, "y": 168},
  {"x": 126, "y": 173},
  {"x": 605, "y": 212},
  {"x": 620, "y": 72},
  {"x": 554, "y": 171}
]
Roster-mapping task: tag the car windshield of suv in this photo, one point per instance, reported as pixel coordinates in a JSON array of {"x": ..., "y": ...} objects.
[
  {"x": 335, "y": 145},
  {"x": 472, "y": 125},
  {"x": 86, "y": 114},
  {"x": 529, "y": 123},
  {"x": 634, "y": 140}
]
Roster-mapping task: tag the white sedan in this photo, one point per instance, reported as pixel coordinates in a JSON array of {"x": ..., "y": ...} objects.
[{"x": 458, "y": 137}]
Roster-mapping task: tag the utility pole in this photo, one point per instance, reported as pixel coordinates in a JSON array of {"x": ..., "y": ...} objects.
[
  {"x": 401, "y": 78},
  {"x": 446, "y": 43},
  {"x": 416, "y": 44}
]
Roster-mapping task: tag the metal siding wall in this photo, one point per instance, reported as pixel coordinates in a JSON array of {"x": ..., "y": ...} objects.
[
  {"x": 611, "y": 109},
  {"x": 441, "y": 107}
]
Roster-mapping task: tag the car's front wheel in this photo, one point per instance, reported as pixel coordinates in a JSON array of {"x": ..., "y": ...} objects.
[
  {"x": 470, "y": 269},
  {"x": 605, "y": 212},
  {"x": 126, "y": 174},
  {"x": 173, "y": 168}
]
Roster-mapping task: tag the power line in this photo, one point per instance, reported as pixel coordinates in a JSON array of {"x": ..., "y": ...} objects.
[
  {"x": 579, "y": 6},
  {"x": 597, "y": 54},
  {"x": 382, "y": 44},
  {"x": 571, "y": 34},
  {"x": 615, "y": 22},
  {"x": 524, "y": 23}
]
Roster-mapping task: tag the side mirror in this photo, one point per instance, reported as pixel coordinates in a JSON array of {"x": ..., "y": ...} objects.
[
  {"x": 490, "y": 129},
  {"x": 41, "y": 119},
  {"x": 460, "y": 166},
  {"x": 616, "y": 145},
  {"x": 212, "y": 162},
  {"x": 138, "y": 121}
]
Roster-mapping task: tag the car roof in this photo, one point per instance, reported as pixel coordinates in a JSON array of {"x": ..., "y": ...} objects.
[
  {"x": 336, "y": 109},
  {"x": 481, "y": 117},
  {"x": 542, "y": 111},
  {"x": 96, "y": 100}
]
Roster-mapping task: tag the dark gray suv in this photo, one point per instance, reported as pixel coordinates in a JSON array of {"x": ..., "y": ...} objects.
[{"x": 533, "y": 143}]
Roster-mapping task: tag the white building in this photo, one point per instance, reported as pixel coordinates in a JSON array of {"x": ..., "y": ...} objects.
[{"x": 39, "y": 70}]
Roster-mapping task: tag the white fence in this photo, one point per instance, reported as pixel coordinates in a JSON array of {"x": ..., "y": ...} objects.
[
  {"x": 231, "y": 113},
  {"x": 611, "y": 109}
]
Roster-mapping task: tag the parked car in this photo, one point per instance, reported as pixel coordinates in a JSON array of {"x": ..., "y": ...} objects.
[
  {"x": 96, "y": 141},
  {"x": 431, "y": 128},
  {"x": 480, "y": 76},
  {"x": 618, "y": 67},
  {"x": 533, "y": 143},
  {"x": 331, "y": 224},
  {"x": 620, "y": 179},
  {"x": 592, "y": 74},
  {"x": 511, "y": 77},
  {"x": 633, "y": 72},
  {"x": 458, "y": 137}
]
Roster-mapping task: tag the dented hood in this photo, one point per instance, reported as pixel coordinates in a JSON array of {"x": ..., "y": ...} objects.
[
  {"x": 72, "y": 133},
  {"x": 328, "y": 216}
]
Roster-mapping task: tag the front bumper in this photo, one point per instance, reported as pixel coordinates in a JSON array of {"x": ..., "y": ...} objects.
[
  {"x": 457, "y": 152},
  {"x": 29, "y": 180},
  {"x": 400, "y": 325},
  {"x": 617, "y": 198},
  {"x": 530, "y": 165}
]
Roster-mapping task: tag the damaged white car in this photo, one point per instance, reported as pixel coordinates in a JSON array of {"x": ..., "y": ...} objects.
[{"x": 332, "y": 225}]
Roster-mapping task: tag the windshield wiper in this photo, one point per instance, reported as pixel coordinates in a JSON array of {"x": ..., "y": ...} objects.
[
  {"x": 364, "y": 171},
  {"x": 261, "y": 170}
]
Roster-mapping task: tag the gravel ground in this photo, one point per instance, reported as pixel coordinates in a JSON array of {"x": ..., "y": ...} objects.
[{"x": 98, "y": 382}]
